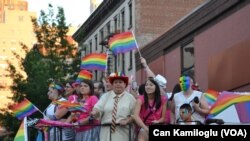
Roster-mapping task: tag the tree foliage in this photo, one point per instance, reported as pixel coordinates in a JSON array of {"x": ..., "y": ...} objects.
[{"x": 52, "y": 57}]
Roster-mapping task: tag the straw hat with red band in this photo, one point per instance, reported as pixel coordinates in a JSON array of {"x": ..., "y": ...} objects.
[{"x": 118, "y": 75}]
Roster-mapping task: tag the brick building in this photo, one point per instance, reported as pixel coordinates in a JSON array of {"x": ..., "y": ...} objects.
[
  {"x": 148, "y": 20},
  {"x": 212, "y": 42}
]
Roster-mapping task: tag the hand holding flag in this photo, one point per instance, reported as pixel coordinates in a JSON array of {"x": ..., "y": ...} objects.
[{"x": 70, "y": 106}]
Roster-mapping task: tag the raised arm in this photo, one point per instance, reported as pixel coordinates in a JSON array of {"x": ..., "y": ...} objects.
[{"x": 149, "y": 72}]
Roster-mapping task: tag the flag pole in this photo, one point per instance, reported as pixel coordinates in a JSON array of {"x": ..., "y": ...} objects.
[
  {"x": 137, "y": 45},
  {"x": 40, "y": 111},
  {"x": 106, "y": 68},
  {"x": 37, "y": 108}
]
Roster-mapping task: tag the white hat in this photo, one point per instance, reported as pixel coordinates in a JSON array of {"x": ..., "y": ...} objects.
[{"x": 162, "y": 81}]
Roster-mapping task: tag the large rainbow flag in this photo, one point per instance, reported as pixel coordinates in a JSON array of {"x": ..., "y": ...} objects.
[
  {"x": 211, "y": 96},
  {"x": 94, "y": 61},
  {"x": 227, "y": 99},
  {"x": 23, "y": 109},
  {"x": 123, "y": 42},
  {"x": 21, "y": 134}
]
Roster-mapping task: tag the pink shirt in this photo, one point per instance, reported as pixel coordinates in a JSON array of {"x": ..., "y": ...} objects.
[
  {"x": 155, "y": 115},
  {"x": 88, "y": 105}
]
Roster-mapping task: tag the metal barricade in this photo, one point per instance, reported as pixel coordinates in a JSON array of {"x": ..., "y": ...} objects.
[{"x": 59, "y": 131}]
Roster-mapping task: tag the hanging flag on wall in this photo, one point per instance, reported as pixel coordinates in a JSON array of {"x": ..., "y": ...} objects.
[
  {"x": 23, "y": 109},
  {"x": 94, "y": 61},
  {"x": 122, "y": 43}
]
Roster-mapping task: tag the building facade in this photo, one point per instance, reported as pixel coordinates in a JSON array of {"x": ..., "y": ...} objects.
[
  {"x": 147, "y": 19},
  {"x": 212, "y": 42},
  {"x": 16, "y": 27}
]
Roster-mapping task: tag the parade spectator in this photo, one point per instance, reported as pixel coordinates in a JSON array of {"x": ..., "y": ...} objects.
[
  {"x": 185, "y": 113},
  {"x": 71, "y": 95},
  {"x": 107, "y": 84},
  {"x": 57, "y": 113},
  {"x": 150, "y": 109},
  {"x": 99, "y": 89},
  {"x": 87, "y": 101},
  {"x": 69, "y": 89},
  {"x": 195, "y": 98},
  {"x": 162, "y": 81},
  {"x": 115, "y": 107}
]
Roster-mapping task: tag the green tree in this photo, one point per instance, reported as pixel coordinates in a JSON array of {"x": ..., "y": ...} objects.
[{"x": 52, "y": 57}]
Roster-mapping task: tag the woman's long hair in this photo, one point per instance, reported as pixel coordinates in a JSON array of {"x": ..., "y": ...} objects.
[
  {"x": 91, "y": 86},
  {"x": 157, "y": 99}
]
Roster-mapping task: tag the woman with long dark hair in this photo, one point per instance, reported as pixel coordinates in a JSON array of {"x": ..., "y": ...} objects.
[
  {"x": 87, "y": 100},
  {"x": 150, "y": 109}
]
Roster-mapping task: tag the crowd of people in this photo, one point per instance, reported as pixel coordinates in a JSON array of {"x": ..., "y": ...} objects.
[{"x": 113, "y": 112}]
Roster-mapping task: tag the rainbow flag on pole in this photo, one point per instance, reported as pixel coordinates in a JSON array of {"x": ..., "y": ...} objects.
[
  {"x": 94, "y": 61},
  {"x": 21, "y": 134},
  {"x": 123, "y": 42},
  {"x": 23, "y": 109}
]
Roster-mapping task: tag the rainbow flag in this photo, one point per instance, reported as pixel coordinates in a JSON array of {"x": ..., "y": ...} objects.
[
  {"x": 84, "y": 74},
  {"x": 21, "y": 134},
  {"x": 70, "y": 106},
  {"x": 23, "y": 109},
  {"x": 94, "y": 61},
  {"x": 225, "y": 100},
  {"x": 211, "y": 96},
  {"x": 123, "y": 42}
]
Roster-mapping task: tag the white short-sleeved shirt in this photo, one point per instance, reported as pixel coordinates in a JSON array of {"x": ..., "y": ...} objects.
[{"x": 180, "y": 99}]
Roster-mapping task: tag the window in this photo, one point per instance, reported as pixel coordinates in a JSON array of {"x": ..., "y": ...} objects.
[
  {"x": 96, "y": 43},
  {"x": 130, "y": 60},
  {"x": 123, "y": 20},
  {"x": 101, "y": 39},
  {"x": 108, "y": 28},
  {"x": 123, "y": 62},
  {"x": 115, "y": 60},
  {"x": 90, "y": 47},
  {"x": 130, "y": 14},
  {"x": 96, "y": 75},
  {"x": 115, "y": 24},
  {"x": 188, "y": 58}
]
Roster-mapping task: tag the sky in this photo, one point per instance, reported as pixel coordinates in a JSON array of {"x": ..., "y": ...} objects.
[{"x": 76, "y": 11}]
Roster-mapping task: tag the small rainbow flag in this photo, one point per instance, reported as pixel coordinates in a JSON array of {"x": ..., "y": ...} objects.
[
  {"x": 123, "y": 42},
  {"x": 70, "y": 106},
  {"x": 21, "y": 134},
  {"x": 211, "y": 96},
  {"x": 23, "y": 109},
  {"x": 225, "y": 100},
  {"x": 94, "y": 61},
  {"x": 84, "y": 74}
]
